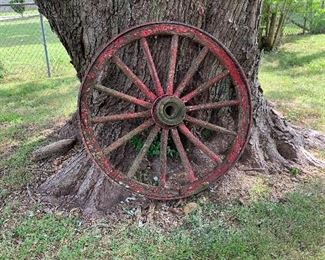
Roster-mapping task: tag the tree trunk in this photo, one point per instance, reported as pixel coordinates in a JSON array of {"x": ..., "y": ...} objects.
[
  {"x": 84, "y": 26},
  {"x": 304, "y": 26},
  {"x": 269, "y": 41}
]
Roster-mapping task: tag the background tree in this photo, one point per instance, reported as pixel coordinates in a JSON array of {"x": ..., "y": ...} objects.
[
  {"x": 275, "y": 15},
  {"x": 310, "y": 16},
  {"x": 83, "y": 26}
]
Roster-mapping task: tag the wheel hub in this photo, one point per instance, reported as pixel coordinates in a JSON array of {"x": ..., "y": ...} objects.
[{"x": 169, "y": 111}]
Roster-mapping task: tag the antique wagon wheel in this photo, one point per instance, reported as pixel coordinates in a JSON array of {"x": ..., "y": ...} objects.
[{"x": 172, "y": 115}]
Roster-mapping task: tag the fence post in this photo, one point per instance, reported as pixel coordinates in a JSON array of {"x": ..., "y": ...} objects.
[{"x": 48, "y": 65}]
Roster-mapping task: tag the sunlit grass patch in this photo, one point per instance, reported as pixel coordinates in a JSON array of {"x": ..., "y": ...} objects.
[
  {"x": 294, "y": 78},
  {"x": 260, "y": 189}
]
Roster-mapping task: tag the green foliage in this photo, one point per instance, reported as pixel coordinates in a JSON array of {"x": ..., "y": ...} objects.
[
  {"x": 309, "y": 15},
  {"x": 317, "y": 24},
  {"x": 17, "y": 6},
  {"x": 171, "y": 151},
  {"x": 274, "y": 17},
  {"x": 295, "y": 171},
  {"x": 138, "y": 142},
  {"x": 154, "y": 149}
]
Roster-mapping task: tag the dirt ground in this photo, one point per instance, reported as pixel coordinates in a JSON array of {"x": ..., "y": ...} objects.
[{"x": 241, "y": 185}]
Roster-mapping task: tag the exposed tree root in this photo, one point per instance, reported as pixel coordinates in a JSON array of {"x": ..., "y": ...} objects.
[
  {"x": 53, "y": 149},
  {"x": 275, "y": 145},
  {"x": 80, "y": 184}
]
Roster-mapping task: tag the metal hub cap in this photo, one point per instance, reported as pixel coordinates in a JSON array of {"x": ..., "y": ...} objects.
[{"x": 169, "y": 111}]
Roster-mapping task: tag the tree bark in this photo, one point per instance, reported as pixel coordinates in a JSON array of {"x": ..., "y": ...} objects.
[
  {"x": 271, "y": 33},
  {"x": 84, "y": 26}
]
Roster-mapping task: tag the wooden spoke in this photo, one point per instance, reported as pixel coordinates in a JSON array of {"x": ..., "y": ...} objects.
[
  {"x": 172, "y": 65},
  {"x": 213, "y": 105},
  {"x": 125, "y": 97},
  {"x": 119, "y": 142},
  {"x": 152, "y": 67},
  {"x": 210, "y": 126},
  {"x": 205, "y": 86},
  {"x": 137, "y": 161},
  {"x": 216, "y": 158},
  {"x": 182, "y": 153},
  {"x": 120, "y": 117},
  {"x": 136, "y": 81},
  {"x": 163, "y": 156},
  {"x": 190, "y": 73}
]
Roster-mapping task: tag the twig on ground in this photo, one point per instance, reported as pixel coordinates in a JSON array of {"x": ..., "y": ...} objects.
[{"x": 254, "y": 170}]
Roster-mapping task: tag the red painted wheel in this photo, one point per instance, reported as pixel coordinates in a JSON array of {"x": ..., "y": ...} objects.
[{"x": 180, "y": 129}]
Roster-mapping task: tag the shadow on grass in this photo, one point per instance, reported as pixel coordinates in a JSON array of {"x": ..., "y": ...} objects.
[
  {"x": 290, "y": 95},
  {"x": 287, "y": 60},
  {"x": 296, "y": 38}
]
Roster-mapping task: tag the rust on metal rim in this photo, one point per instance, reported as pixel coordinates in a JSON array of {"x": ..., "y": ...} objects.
[{"x": 166, "y": 112}]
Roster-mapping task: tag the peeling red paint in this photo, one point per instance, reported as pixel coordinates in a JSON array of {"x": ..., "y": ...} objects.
[{"x": 232, "y": 70}]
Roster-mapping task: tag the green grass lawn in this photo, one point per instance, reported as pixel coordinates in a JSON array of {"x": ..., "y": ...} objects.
[
  {"x": 292, "y": 78},
  {"x": 264, "y": 230}
]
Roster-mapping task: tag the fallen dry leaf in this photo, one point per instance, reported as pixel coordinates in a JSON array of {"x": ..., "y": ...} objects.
[
  {"x": 190, "y": 207},
  {"x": 175, "y": 211}
]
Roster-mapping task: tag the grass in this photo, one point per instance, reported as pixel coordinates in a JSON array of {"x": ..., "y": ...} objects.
[
  {"x": 292, "y": 78},
  {"x": 259, "y": 231},
  {"x": 26, "y": 112},
  {"x": 154, "y": 150},
  {"x": 30, "y": 102},
  {"x": 291, "y": 29},
  {"x": 27, "y": 12},
  {"x": 22, "y": 50},
  {"x": 264, "y": 230}
]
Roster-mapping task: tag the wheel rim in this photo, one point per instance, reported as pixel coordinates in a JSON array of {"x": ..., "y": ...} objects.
[{"x": 167, "y": 111}]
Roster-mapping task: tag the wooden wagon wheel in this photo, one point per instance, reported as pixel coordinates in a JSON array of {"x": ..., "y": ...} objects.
[{"x": 168, "y": 114}]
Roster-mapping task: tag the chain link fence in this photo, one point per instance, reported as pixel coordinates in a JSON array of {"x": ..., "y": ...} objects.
[
  {"x": 295, "y": 24},
  {"x": 292, "y": 29},
  {"x": 27, "y": 44}
]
